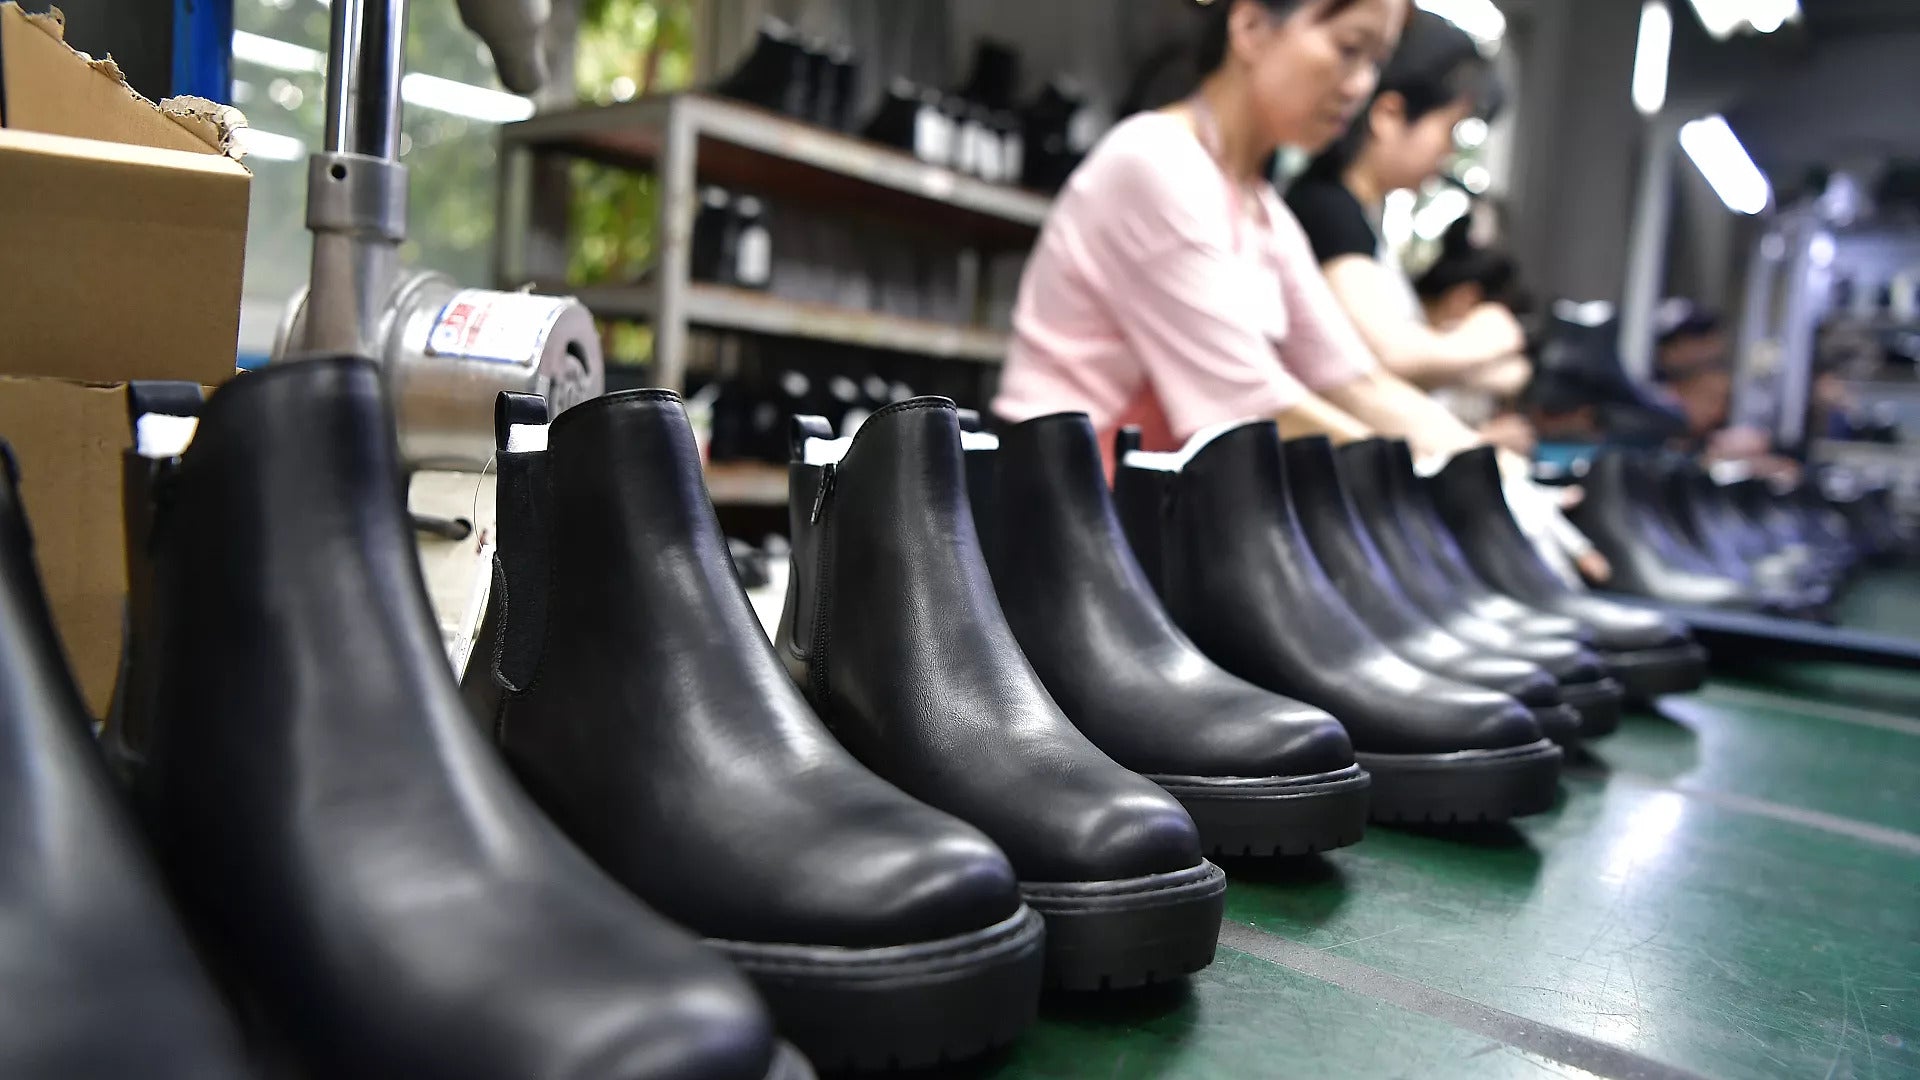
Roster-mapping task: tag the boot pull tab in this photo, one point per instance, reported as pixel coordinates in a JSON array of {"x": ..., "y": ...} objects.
[
  {"x": 162, "y": 417},
  {"x": 515, "y": 416},
  {"x": 970, "y": 422},
  {"x": 1125, "y": 441},
  {"x": 808, "y": 427}
]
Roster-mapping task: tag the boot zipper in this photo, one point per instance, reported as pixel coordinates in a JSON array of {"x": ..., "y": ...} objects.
[
  {"x": 820, "y": 496},
  {"x": 817, "y": 649}
]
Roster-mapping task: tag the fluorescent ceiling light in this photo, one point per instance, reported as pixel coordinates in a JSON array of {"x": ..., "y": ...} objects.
[
  {"x": 276, "y": 54},
  {"x": 1479, "y": 18},
  {"x": 1717, "y": 153},
  {"x": 1651, "y": 58},
  {"x": 271, "y": 146},
  {"x": 1723, "y": 18},
  {"x": 426, "y": 91},
  {"x": 464, "y": 99}
]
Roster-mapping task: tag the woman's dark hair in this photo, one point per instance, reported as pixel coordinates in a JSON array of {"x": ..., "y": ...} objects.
[
  {"x": 1213, "y": 39},
  {"x": 1436, "y": 64}
]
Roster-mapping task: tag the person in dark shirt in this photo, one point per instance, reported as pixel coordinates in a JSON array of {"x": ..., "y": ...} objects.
[{"x": 1436, "y": 79}]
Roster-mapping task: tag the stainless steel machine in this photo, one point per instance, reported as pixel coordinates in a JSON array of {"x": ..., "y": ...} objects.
[{"x": 448, "y": 351}]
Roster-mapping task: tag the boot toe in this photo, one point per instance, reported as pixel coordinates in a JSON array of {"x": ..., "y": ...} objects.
[
  {"x": 1515, "y": 678},
  {"x": 1297, "y": 743},
  {"x": 1504, "y": 725},
  {"x": 1138, "y": 833},
  {"x": 926, "y": 890},
  {"x": 707, "y": 1029}
]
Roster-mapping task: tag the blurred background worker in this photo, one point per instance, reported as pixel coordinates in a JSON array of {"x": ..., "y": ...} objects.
[{"x": 1469, "y": 359}]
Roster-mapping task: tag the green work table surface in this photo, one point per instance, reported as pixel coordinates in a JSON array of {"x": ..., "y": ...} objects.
[{"x": 1730, "y": 887}]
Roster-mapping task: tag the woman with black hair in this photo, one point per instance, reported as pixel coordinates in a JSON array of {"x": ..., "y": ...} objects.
[
  {"x": 1436, "y": 80},
  {"x": 1172, "y": 289}
]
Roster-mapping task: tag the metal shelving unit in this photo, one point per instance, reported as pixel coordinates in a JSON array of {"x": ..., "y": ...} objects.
[
  {"x": 722, "y": 308},
  {"x": 688, "y": 139}
]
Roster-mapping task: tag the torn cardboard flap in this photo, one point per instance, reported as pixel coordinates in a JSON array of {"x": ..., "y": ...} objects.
[
  {"x": 54, "y": 88},
  {"x": 123, "y": 225}
]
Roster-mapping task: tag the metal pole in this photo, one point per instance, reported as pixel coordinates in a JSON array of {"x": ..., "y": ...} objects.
[
  {"x": 674, "y": 265},
  {"x": 356, "y": 187},
  {"x": 1647, "y": 257}
]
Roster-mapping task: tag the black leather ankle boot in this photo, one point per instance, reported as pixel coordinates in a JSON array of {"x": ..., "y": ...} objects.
[
  {"x": 1238, "y": 575},
  {"x": 626, "y": 679},
  {"x": 1261, "y": 774},
  {"x": 1346, "y": 551},
  {"x": 353, "y": 854},
  {"x": 892, "y": 627},
  {"x": 1622, "y": 516},
  {"x": 1649, "y": 653},
  {"x": 1365, "y": 468},
  {"x": 97, "y": 974}
]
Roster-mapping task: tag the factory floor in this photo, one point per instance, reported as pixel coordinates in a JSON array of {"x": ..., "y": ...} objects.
[{"x": 1729, "y": 888}]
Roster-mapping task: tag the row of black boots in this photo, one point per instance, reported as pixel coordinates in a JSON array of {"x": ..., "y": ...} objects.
[
  {"x": 639, "y": 840},
  {"x": 1675, "y": 534}
]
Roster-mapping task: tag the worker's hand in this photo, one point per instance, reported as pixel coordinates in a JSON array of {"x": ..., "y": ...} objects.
[
  {"x": 515, "y": 31},
  {"x": 1503, "y": 378},
  {"x": 1494, "y": 329}
]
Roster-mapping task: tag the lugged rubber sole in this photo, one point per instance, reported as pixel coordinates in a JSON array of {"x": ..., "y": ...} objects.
[
  {"x": 1652, "y": 673},
  {"x": 1466, "y": 786},
  {"x": 1111, "y": 935},
  {"x": 1275, "y": 815},
  {"x": 1599, "y": 704},
  {"x": 903, "y": 1006}
]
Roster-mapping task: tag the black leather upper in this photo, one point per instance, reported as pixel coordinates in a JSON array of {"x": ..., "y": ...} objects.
[
  {"x": 1346, "y": 551},
  {"x": 97, "y": 977},
  {"x": 1089, "y": 622},
  {"x": 1422, "y": 524},
  {"x": 1622, "y": 518},
  {"x": 1364, "y": 468},
  {"x": 336, "y": 826},
  {"x": 1468, "y": 495},
  {"x": 893, "y": 628},
  {"x": 659, "y": 729},
  {"x": 1238, "y": 575}
]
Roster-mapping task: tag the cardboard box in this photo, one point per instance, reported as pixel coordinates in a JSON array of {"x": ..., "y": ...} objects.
[
  {"x": 69, "y": 437},
  {"x": 123, "y": 229},
  {"x": 123, "y": 224}
]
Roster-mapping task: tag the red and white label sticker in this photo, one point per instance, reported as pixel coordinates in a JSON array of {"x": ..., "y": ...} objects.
[{"x": 502, "y": 328}]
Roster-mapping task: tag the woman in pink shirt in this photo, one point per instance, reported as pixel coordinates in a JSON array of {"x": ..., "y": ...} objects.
[{"x": 1172, "y": 289}]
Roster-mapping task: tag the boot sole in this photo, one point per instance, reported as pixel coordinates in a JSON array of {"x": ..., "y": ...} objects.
[
  {"x": 1275, "y": 815},
  {"x": 1464, "y": 787},
  {"x": 1112, "y": 935},
  {"x": 1651, "y": 673},
  {"x": 1599, "y": 705},
  {"x": 901, "y": 1006}
]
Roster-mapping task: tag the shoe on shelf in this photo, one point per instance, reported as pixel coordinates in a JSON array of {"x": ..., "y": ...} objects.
[
  {"x": 892, "y": 627},
  {"x": 356, "y": 860},
  {"x": 1217, "y": 528},
  {"x": 627, "y": 681},
  {"x": 778, "y": 74},
  {"x": 98, "y": 975},
  {"x": 1261, "y": 774}
]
